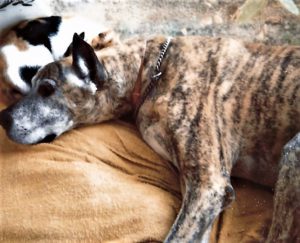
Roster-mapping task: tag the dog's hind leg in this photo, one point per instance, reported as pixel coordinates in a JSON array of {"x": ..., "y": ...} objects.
[
  {"x": 207, "y": 192},
  {"x": 285, "y": 226}
]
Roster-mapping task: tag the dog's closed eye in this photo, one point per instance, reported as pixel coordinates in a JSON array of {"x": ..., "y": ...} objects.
[{"x": 46, "y": 89}]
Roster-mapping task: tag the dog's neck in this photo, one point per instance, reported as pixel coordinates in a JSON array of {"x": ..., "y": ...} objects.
[
  {"x": 122, "y": 64},
  {"x": 126, "y": 65}
]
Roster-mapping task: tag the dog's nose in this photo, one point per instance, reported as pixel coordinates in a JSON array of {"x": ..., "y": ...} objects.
[
  {"x": 49, "y": 138},
  {"x": 5, "y": 120}
]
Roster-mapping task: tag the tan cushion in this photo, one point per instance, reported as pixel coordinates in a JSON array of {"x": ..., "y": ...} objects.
[{"x": 97, "y": 183}]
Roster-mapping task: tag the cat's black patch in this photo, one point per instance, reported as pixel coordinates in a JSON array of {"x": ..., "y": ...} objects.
[
  {"x": 27, "y": 73},
  {"x": 38, "y": 31}
]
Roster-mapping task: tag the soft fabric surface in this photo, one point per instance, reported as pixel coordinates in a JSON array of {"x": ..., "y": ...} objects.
[
  {"x": 103, "y": 183},
  {"x": 94, "y": 184}
]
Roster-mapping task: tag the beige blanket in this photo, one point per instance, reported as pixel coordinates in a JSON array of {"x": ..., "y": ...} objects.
[{"x": 102, "y": 183}]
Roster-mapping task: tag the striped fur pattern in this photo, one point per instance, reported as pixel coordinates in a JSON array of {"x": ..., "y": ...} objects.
[
  {"x": 221, "y": 104},
  {"x": 221, "y": 107}
]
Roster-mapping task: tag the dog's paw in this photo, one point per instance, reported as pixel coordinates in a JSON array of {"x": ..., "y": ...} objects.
[{"x": 105, "y": 39}]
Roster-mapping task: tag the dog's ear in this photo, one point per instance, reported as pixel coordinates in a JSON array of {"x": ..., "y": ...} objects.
[
  {"x": 38, "y": 31},
  {"x": 85, "y": 62},
  {"x": 68, "y": 52}
]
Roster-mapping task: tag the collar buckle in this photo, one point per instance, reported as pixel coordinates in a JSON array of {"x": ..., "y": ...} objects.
[{"x": 156, "y": 76}]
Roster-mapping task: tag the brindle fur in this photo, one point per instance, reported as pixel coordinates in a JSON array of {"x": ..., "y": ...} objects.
[{"x": 222, "y": 107}]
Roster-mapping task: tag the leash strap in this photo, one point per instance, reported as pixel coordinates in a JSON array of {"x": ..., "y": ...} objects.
[{"x": 154, "y": 78}]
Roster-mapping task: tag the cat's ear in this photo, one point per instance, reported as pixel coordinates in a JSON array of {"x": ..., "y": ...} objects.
[{"x": 86, "y": 63}]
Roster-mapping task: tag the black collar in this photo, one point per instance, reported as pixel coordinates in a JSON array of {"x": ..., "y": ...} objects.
[{"x": 139, "y": 99}]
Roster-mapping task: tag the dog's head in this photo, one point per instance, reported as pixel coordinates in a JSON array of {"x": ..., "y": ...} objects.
[{"x": 63, "y": 96}]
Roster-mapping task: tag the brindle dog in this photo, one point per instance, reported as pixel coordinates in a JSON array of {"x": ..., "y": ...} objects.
[{"x": 215, "y": 107}]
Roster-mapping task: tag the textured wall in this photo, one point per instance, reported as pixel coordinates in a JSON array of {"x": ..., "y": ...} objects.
[{"x": 207, "y": 17}]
